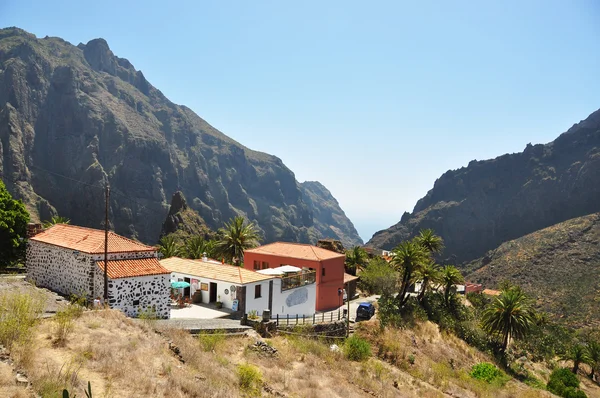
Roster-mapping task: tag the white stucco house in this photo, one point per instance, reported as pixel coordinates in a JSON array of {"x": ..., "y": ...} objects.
[
  {"x": 253, "y": 291},
  {"x": 70, "y": 260}
]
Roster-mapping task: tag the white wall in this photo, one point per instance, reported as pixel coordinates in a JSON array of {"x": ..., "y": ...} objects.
[
  {"x": 257, "y": 304},
  {"x": 298, "y": 301}
]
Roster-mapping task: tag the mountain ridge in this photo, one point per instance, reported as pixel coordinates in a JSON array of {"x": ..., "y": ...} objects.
[
  {"x": 478, "y": 207},
  {"x": 82, "y": 113}
]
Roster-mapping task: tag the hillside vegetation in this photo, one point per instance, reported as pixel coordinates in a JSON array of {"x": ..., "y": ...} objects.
[{"x": 558, "y": 266}]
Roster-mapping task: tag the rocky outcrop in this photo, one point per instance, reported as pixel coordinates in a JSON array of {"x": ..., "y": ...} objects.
[
  {"x": 558, "y": 266},
  {"x": 329, "y": 219},
  {"x": 331, "y": 244},
  {"x": 75, "y": 118},
  {"x": 183, "y": 221},
  {"x": 478, "y": 207}
]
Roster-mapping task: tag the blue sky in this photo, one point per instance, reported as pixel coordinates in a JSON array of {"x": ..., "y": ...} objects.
[{"x": 374, "y": 99}]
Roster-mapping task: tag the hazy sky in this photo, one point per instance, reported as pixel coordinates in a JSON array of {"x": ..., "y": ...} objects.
[{"x": 374, "y": 99}]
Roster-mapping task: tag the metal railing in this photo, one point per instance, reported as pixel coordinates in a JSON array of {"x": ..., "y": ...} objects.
[{"x": 298, "y": 280}]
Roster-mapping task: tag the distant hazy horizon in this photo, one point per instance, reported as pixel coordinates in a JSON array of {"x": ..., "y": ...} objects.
[{"x": 374, "y": 100}]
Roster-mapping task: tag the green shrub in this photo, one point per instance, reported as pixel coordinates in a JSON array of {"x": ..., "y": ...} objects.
[
  {"x": 250, "y": 378},
  {"x": 18, "y": 313},
  {"x": 379, "y": 277},
  {"x": 210, "y": 341},
  {"x": 564, "y": 383},
  {"x": 357, "y": 349},
  {"x": 485, "y": 371},
  {"x": 572, "y": 392}
]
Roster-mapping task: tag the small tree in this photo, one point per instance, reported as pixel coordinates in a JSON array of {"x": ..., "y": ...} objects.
[
  {"x": 408, "y": 258},
  {"x": 593, "y": 357},
  {"x": 13, "y": 228},
  {"x": 379, "y": 277},
  {"x": 451, "y": 277},
  {"x": 578, "y": 354},
  {"x": 429, "y": 273},
  {"x": 235, "y": 238},
  {"x": 509, "y": 316}
]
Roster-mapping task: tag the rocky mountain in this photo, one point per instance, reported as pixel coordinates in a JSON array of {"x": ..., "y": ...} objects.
[
  {"x": 329, "y": 218},
  {"x": 478, "y": 207},
  {"x": 184, "y": 222},
  {"x": 75, "y": 118},
  {"x": 559, "y": 266}
]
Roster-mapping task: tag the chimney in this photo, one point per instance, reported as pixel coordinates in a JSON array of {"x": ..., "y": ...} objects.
[{"x": 33, "y": 229}]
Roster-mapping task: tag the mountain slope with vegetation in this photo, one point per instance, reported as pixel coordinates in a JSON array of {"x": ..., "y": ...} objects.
[
  {"x": 75, "y": 118},
  {"x": 330, "y": 220},
  {"x": 478, "y": 207},
  {"x": 558, "y": 266}
]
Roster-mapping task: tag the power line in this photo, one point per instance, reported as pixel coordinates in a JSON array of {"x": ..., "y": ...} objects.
[{"x": 68, "y": 178}]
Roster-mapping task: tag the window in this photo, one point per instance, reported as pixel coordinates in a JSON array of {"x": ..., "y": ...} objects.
[
  {"x": 256, "y": 264},
  {"x": 257, "y": 291},
  {"x": 323, "y": 271},
  {"x": 265, "y": 265}
]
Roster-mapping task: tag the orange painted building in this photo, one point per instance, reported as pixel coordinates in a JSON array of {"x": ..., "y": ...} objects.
[{"x": 329, "y": 267}]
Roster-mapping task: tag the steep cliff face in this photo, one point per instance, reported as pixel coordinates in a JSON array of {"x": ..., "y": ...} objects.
[
  {"x": 329, "y": 218},
  {"x": 478, "y": 207},
  {"x": 184, "y": 222},
  {"x": 71, "y": 116},
  {"x": 558, "y": 266}
]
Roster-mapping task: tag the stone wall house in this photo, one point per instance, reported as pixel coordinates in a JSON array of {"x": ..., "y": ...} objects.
[{"x": 70, "y": 260}]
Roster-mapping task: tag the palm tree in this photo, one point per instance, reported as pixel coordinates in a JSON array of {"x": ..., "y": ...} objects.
[
  {"x": 235, "y": 237},
  {"x": 56, "y": 220},
  {"x": 578, "y": 354},
  {"x": 196, "y": 247},
  {"x": 430, "y": 241},
  {"x": 356, "y": 259},
  {"x": 407, "y": 258},
  {"x": 510, "y": 316},
  {"x": 428, "y": 273},
  {"x": 593, "y": 357},
  {"x": 451, "y": 277},
  {"x": 169, "y": 247}
]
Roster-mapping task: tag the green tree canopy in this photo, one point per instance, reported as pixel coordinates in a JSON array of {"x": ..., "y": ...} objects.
[
  {"x": 593, "y": 357},
  {"x": 169, "y": 247},
  {"x": 235, "y": 238},
  {"x": 578, "y": 354},
  {"x": 430, "y": 241},
  {"x": 356, "y": 259},
  {"x": 196, "y": 246},
  {"x": 509, "y": 316},
  {"x": 13, "y": 228}
]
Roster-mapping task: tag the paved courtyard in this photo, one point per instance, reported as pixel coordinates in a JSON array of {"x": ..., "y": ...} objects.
[{"x": 199, "y": 311}]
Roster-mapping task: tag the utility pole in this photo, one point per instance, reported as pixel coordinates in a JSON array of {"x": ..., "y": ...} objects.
[
  {"x": 347, "y": 286},
  {"x": 106, "y": 245}
]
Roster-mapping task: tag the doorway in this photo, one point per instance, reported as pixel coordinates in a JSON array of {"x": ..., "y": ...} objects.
[
  {"x": 212, "y": 296},
  {"x": 186, "y": 291}
]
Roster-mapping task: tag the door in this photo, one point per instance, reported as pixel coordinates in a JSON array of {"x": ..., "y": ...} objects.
[
  {"x": 186, "y": 291},
  {"x": 212, "y": 293}
]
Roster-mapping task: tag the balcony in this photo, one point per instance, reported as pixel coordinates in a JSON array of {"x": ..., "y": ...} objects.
[{"x": 298, "y": 280}]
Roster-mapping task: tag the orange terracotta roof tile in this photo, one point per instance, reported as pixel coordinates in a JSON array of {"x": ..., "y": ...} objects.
[
  {"x": 296, "y": 250},
  {"x": 349, "y": 278},
  {"x": 221, "y": 272},
  {"x": 88, "y": 240},
  {"x": 133, "y": 267}
]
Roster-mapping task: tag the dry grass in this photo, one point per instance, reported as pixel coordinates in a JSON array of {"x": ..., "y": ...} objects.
[
  {"x": 123, "y": 358},
  {"x": 8, "y": 385}
]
